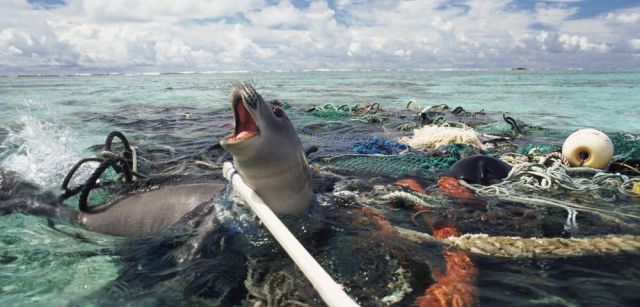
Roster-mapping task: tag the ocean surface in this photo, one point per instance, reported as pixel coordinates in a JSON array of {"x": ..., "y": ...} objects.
[
  {"x": 558, "y": 100},
  {"x": 48, "y": 123}
]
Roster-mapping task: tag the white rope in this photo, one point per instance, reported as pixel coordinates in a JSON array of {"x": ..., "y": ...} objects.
[
  {"x": 406, "y": 197},
  {"x": 536, "y": 177},
  {"x": 519, "y": 247},
  {"x": 330, "y": 291},
  {"x": 134, "y": 161}
]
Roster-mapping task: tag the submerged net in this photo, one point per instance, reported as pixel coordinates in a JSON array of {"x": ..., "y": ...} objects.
[{"x": 496, "y": 128}]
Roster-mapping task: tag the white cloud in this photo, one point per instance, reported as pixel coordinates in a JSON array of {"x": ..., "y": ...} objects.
[
  {"x": 580, "y": 43},
  {"x": 438, "y": 23},
  {"x": 250, "y": 34},
  {"x": 630, "y": 18},
  {"x": 551, "y": 14},
  {"x": 160, "y": 10}
]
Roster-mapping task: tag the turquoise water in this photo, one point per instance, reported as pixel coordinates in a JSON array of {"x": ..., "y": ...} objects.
[
  {"x": 47, "y": 124},
  {"x": 561, "y": 100}
]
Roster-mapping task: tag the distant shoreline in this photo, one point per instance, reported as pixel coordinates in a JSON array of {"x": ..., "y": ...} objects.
[{"x": 101, "y": 74}]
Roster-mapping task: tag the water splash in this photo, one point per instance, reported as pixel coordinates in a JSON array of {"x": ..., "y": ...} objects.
[{"x": 40, "y": 152}]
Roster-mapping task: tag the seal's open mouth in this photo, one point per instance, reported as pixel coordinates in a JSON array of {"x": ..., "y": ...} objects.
[{"x": 245, "y": 125}]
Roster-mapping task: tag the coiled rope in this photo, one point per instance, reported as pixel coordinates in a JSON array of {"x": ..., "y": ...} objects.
[
  {"x": 124, "y": 163},
  {"x": 536, "y": 177}
]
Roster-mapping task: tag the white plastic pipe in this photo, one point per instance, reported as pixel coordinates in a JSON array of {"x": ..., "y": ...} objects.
[{"x": 330, "y": 291}]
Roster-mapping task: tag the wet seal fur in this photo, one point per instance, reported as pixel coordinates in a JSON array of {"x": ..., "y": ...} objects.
[
  {"x": 267, "y": 153},
  {"x": 133, "y": 215},
  {"x": 479, "y": 169}
]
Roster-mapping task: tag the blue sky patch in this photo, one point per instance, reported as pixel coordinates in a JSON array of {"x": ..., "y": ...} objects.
[
  {"x": 586, "y": 8},
  {"x": 46, "y": 3},
  {"x": 237, "y": 18}
]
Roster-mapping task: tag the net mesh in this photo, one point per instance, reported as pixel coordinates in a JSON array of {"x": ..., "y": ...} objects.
[
  {"x": 496, "y": 128},
  {"x": 538, "y": 149},
  {"x": 626, "y": 147},
  {"x": 377, "y": 145},
  {"x": 331, "y": 112},
  {"x": 395, "y": 166}
]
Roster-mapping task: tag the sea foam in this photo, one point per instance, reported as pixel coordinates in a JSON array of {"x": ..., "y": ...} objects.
[{"x": 40, "y": 152}]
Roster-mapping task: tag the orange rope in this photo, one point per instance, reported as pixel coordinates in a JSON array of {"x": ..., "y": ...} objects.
[
  {"x": 451, "y": 187},
  {"x": 411, "y": 184},
  {"x": 455, "y": 287}
]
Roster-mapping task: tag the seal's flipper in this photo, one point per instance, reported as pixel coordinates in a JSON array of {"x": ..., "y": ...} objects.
[{"x": 17, "y": 196}]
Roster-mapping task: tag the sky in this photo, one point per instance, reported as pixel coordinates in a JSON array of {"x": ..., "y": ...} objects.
[{"x": 75, "y": 36}]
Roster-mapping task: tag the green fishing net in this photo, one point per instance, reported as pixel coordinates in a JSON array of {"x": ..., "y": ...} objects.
[
  {"x": 626, "y": 147},
  {"x": 497, "y": 128},
  {"x": 539, "y": 149},
  {"x": 331, "y": 112},
  {"x": 395, "y": 166}
]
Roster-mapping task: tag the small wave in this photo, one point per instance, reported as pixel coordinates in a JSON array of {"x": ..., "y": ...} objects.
[
  {"x": 40, "y": 152},
  {"x": 211, "y": 72}
]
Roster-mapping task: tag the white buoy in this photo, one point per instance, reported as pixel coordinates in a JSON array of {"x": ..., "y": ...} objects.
[{"x": 588, "y": 148}]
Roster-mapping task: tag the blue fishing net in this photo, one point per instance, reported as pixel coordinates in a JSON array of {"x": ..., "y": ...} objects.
[{"x": 377, "y": 145}]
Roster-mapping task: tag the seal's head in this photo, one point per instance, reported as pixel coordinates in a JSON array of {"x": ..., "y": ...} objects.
[
  {"x": 257, "y": 123},
  {"x": 267, "y": 152}
]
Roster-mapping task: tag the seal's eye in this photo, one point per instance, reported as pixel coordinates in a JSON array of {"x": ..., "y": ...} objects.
[{"x": 277, "y": 111}]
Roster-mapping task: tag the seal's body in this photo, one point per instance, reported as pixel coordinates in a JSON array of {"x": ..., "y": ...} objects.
[
  {"x": 149, "y": 212},
  {"x": 479, "y": 169},
  {"x": 132, "y": 215},
  {"x": 267, "y": 153}
]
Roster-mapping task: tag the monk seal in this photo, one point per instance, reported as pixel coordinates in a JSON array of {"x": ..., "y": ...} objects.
[
  {"x": 132, "y": 215},
  {"x": 479, "y": 169},
  {"x": 267, "y": 153}
]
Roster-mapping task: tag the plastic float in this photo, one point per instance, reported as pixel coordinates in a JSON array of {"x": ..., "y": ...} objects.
[{"x": 588, "y": 148}]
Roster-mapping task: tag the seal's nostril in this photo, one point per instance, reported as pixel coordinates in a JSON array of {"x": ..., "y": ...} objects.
[{"x": 251, "y": 101}]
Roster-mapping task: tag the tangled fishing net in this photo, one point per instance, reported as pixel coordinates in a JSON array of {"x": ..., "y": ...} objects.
[
  {"x": 626, "y": 147},
  {"x": 536, "y": 177},
  {"x": 330, "y": 112},
  {"x": 377, "y": 145},
  {"x": 496, "y": 128},
  {"x": 432, "y": 136},
  {"x": 393, "y": 165},
  {"x": 529, "y": 150}
]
